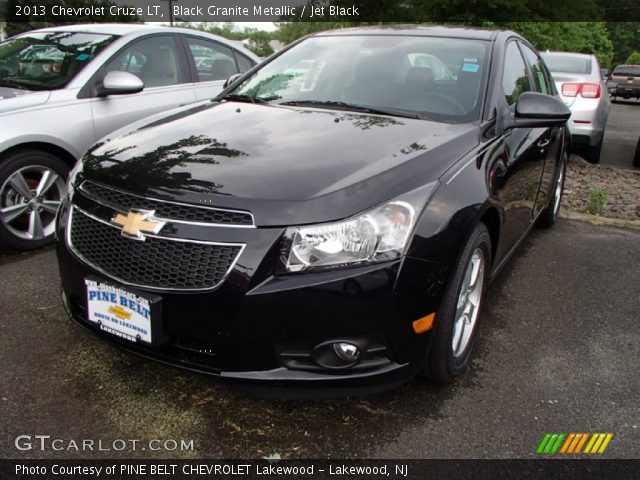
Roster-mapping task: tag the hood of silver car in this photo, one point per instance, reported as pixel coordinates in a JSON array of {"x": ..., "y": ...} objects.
[{"x": 16, "y": 99}]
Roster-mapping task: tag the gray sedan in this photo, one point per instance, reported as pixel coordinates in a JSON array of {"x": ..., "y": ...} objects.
[{"x": 64, "y": 88}]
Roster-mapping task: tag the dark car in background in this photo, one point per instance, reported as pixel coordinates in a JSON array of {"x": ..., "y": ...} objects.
[
  {"x": 624, "y": 82},
  {"x": 329, "y": 224}
]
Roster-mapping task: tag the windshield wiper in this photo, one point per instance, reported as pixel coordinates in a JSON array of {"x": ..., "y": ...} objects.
[
  {"x": 352, "y": 106},
  {"x": 4, "y": 83},
  {"x": 235, "y": 97}
]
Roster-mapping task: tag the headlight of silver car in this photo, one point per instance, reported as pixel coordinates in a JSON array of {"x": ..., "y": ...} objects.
[{"x": 376, "y": 235}]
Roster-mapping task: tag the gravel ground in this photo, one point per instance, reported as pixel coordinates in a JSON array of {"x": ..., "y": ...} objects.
[{"x": 622, "y": 187}]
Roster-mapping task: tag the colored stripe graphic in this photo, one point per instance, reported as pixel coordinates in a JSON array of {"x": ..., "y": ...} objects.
[{"x": 556, "y": 443}]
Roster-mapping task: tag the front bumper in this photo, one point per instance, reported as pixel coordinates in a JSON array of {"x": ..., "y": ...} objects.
[{"x": 247, "y": 328}]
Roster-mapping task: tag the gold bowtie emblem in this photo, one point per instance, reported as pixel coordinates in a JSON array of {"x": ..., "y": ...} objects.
[
  {"x": 137, "y": 222},
  {"x": 119, "y": 312}
]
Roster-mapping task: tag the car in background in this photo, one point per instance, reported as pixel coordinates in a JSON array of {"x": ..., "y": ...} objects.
[
  {"x": 64, "y": 88},
  {"x": 624, "y": 82},
  {"x": 579, "y": 83},
  {"x": 330, "y": 221}
]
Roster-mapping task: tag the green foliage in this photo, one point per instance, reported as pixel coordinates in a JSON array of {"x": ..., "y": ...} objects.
[
  {"x": 634, "y": 58},
  {"x": 259, "y": 43},
  {"x": 597, "y": 200},
  {"x": 625, "y": 37}
]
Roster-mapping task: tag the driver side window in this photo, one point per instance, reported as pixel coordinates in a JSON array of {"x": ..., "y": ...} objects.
[{"x": 515, "y": 79}]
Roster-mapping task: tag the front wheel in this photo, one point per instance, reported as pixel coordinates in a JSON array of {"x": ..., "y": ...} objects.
[
  {"x": 32, "y": 185},
  {"x": 458, "y": 315},
  {"x": 549, "y": 215}
]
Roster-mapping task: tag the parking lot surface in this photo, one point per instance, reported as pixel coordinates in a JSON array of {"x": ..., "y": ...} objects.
[
  {"x": 621, "y": 134},
  {"x": 559, "y": 350}
]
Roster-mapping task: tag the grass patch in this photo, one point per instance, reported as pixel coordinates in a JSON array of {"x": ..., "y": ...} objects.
[{"x": 597, "y": 200}]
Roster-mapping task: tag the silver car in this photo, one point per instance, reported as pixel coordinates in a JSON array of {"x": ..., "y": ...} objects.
[
  {"x": 64, "y": 88},
  {"x": 579, "y": 82}
]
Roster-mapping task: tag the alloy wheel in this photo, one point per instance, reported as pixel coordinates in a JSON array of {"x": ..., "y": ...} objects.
[{"x": 468, "y": 305}]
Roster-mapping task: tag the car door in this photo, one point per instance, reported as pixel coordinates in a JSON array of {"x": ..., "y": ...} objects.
[
  {"x": 516, "y": 171},
  {"x": 212, "y": 64},
  {"x": 551, "y": 138},
  {"x": 156, "y": 60}
]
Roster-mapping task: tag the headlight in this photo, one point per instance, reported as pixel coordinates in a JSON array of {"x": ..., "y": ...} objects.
[
  {"x": 379, "y": 234},
  {"x": 71, "y": 179}
]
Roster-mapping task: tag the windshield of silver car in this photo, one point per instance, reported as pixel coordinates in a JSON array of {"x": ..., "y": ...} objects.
[
  {"x": 422, "y": 77},
  {"x": 48, "y": 60}
]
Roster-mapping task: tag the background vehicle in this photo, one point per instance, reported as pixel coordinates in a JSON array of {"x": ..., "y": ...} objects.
[
  {"x": 624, "y": 82},
  {"x": 344, "y": 244},
  {"x": 579, "y": 82},
  {"x": 62, "y": 89}
]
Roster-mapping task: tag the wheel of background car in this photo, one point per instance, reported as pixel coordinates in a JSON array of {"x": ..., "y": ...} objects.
[
  {"x": 549, "y": 215},
  {"x": 449, "y": 101},
  {"x": 592, "y": 152},
  {"x": 457, "y": 319},
  {"x": 32, "y": 184}
]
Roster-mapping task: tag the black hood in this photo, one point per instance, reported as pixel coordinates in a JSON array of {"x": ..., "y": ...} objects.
[{"x": 287, "y": 165}]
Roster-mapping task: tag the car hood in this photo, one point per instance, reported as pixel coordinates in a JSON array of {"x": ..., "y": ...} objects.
[
  {"x": 16, "y": 99},
  {"x": 287, "y": 165}
]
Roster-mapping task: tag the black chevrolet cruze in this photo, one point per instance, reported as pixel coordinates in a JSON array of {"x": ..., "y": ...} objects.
[{"x": 329, "y": 224}]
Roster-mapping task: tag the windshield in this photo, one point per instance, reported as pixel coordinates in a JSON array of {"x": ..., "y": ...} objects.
[
  {"x": 428, "y": 77},
  {"x": 627, "y": 71},
  {"x": 568, "y": 64},
  {"x": 48, "y": 60}
]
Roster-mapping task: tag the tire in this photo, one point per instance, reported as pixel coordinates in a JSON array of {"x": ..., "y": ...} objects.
[
  {"x": 32, "y": 185},
  {"x": 444, "y": 361},
  {"x": 636, "y": 157},
  {"x": 592, "y": 152},
  {"x": 549, "y": 215}
]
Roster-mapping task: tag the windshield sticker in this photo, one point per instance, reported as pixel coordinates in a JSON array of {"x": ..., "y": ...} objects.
[
  {"x": 83, "y": 57},
  {"x": 471, "y": 67}
]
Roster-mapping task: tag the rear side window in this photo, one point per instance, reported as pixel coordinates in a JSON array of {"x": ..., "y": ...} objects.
[
  {"x": 515, "y": 80},
  {"x": 243, "y": 62},
  {"x": 568, "y": 64},
  {"x": 213, "y": 61},
  {"x": 541, "y": 81},
  {"x": 627, "y": 71}
]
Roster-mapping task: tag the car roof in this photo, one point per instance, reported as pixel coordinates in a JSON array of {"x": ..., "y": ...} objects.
[
  {"x": 568, "y": 54},
  {"x": 417, "y": 30},
  {"x": 106, "y": 28}
]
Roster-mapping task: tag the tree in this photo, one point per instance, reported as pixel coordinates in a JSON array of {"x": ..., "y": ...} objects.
[
  {"x": 633, "y": 59},
  {"x": 259, "y": 43}
]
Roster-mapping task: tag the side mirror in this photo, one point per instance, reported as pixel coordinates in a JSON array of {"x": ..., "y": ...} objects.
[
  {"x": 537, "y": 110},
  {"x": 120, "y": 83},
  {"x": 232, "y": 79}
]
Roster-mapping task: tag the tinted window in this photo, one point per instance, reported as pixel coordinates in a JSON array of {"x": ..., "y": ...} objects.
[
  {"x": 213, "y": 61},
  {"x": 627, "y": 71},
  {"x": 243, "y": 62},
  {"x": 439, "y": 78},
  {"x": 515, "y": 80},
  {"x": 48, "y": 60},
  {"x": 541, "y": 81},
  {"x": 568, "y": 64},
  {"x": 154, "y": 60}
]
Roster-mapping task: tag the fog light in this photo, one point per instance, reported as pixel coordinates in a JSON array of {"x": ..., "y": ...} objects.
[
  {"x": 346, "y": 351},
  {"x": 339, "y": 353}
]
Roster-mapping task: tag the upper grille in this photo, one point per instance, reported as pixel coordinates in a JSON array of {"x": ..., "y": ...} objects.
[
  {"x": 157, "y": 263},
  {"x": 168, "y": 210}
]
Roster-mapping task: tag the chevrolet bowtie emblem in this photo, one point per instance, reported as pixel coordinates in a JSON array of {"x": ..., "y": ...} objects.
[{"x": 137, "y": 222}]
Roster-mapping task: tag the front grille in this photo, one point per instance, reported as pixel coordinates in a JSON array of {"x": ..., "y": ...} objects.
[
  {"x": 157, "y": 262},
  {"x": 168, "y": 210}
]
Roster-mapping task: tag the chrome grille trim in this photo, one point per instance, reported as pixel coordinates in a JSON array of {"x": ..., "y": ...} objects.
[
  {"x": 124, "y": 209},
  {"x": 79, "y": 256}
]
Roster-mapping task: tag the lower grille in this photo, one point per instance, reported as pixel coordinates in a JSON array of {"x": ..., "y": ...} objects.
[{"x": 157, "y": 263}]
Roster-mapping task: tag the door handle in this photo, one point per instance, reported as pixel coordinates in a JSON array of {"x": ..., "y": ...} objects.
[{"x": 543, "y": 143}]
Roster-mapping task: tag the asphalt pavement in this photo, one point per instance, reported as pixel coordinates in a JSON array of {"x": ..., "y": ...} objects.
[
  {"x": 559, "y": 352},
  {"x": 622, "y": 133}
]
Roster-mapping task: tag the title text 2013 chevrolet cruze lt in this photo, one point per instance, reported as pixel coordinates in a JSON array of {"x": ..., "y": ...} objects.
[{"x": 331, "y": 221}]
